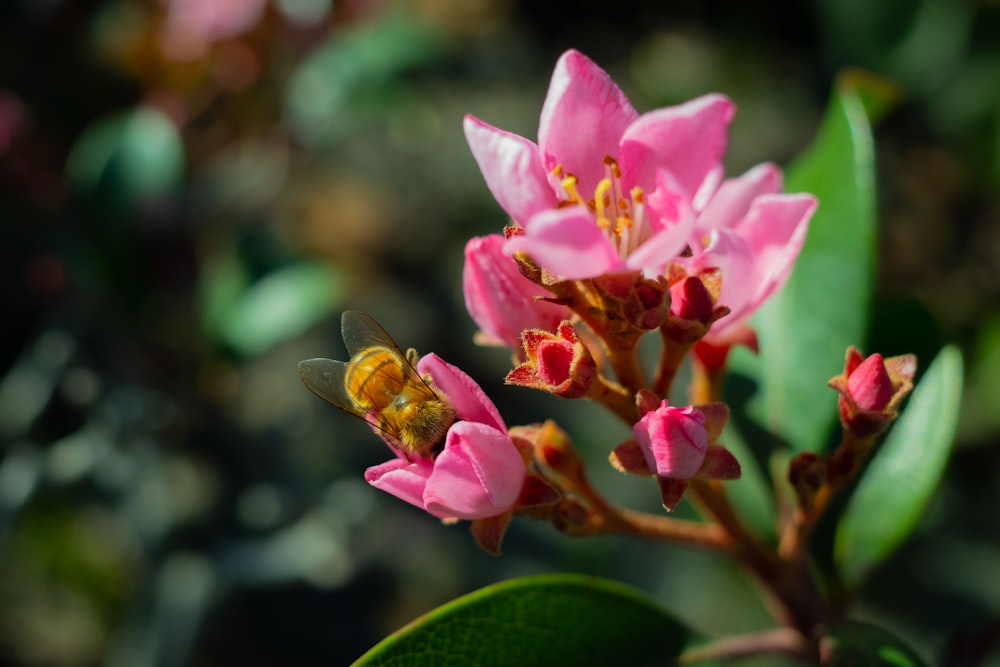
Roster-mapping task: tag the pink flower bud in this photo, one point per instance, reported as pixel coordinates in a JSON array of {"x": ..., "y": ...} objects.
[
  {"x": 871, "y": 390},
  {"x": 674, "y": 440},
  {"x": 558, "y": 363},
  {"x": 869, "y": 384},
  {"x": 500, "y": 299},
  {"x": 690, "y": 300}
]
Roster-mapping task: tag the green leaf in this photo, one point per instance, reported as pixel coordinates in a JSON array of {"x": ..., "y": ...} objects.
[
  {"x": 806, "y": 328},
  {"x": 854, "y": 644},
  {"x": 356, "y": 77},
  {"x": 897, "y": 486},
  {"x": 751, "y": 494},
  {"x": 250, "y": 319},
  {"x": 545, "y": 620},
  {"x": 136, "y": 155}
]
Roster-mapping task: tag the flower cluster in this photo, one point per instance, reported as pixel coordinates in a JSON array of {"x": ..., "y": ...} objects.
[{"x": 622, "y": 224}]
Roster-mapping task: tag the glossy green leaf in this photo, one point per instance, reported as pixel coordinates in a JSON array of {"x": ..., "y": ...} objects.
[
  {"x": 806, "y": 328},
  {"x": 537, "y": 621},
  {"x": 897, "y": 486},
  {"x": 854, "y": 644}
]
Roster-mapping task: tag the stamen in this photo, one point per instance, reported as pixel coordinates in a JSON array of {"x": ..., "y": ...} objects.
[
  {"x": 600, "y": 201},
  {"x": 569, "y": 185}
]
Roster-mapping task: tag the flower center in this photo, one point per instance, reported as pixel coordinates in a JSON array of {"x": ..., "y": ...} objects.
[{"x": 621, "y": 218}]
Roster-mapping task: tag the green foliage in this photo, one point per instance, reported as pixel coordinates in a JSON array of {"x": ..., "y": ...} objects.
[
  {"x": 854, "y": 644},
  {"x": 896, "y": 488},
  {"x": 251, "y": 317},
  {"x": 348, "y": 83},
  {"x": 544, "y": 620},
  {"x": 805, "y": 329},
  {"x": 133, "y": 156}
]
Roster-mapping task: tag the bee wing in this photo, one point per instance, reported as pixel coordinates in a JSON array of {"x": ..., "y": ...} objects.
[
  {"x": 361, "y": 331},
  {"x": 325, "y": 378}
]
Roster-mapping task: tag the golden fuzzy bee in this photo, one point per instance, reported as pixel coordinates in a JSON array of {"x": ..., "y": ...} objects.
[{"x": 382, "y": 386}]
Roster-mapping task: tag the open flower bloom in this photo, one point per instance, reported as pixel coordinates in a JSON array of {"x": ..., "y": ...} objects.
[
  {"x": 606, "y": 189},
  {"x": 753, "y": 234},
  {"x": 478, "y": 474},
  {"x": 501, "y": 300}
]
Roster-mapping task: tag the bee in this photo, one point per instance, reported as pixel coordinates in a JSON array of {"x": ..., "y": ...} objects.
[{"x": 381, "y": 385}]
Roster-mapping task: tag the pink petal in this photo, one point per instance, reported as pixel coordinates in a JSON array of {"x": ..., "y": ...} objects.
[
  {"x": 583, "y": 118},
  {"x": 479, "y": 474},
  {"x": 731, "y": 202},
  {"x": 775, "y": 229},
  {"x": 401, "y": 478},
  {"x": 512, "y": 168},
  {"x": 672, "y": 221},
  {"x": 688, "y": 140},
  {"x": 469, "y": 401},
  {"x": 501, "y": 300},
  {"x": 731, "y": 254},
  {"x": 674, "y": 440},
  {"x": 568, "y": 243}
]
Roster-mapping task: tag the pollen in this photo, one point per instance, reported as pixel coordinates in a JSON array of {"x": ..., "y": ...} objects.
[{"x": 619, "y": 214}]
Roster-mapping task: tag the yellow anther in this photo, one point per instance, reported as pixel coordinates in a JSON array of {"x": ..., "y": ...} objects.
[
  {"x": 569, "y": 184},
  {"x": 557, "y": 171},
  {"x": 637, "y": 195},
  {"x": 601, "y": 197}
]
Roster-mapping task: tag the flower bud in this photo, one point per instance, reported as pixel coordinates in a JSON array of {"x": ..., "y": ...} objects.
[
  {"x": 674, "y": 440},
  {"x": 871, "y": 390},
  {"x": 679, "y": 445},
  {"x": 558, "y": 363}
]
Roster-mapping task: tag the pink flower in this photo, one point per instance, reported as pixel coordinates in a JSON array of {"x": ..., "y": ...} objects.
[
  {"x": 605, "y": 189},
  {"x": 753, "y": 234},
  {"x": 501, "y": 300},
  {"x": 478, "y": 474}
]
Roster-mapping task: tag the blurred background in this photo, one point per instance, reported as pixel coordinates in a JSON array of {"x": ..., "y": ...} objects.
[{"x": 192, "y": 192}]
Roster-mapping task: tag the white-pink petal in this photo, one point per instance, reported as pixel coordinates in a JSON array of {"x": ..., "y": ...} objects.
[
  {"x": 469, "y": 400},
  {"x": 688, "y": 140},
  {"x": 404, "y": 479},
  {"x": 732, "y": 200},
  {"x": 583, "y": 118},
  {"x": 512, "y": 168},
  {"x": 568, "y": 243}
]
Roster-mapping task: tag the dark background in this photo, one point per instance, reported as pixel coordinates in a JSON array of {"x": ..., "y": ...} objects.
[{"x": 189, "y": 199}]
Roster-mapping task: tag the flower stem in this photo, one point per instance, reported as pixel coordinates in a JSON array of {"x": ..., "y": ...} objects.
[
  {"x": 614, "y": 397},
  {"x": 780, "y": 640}
]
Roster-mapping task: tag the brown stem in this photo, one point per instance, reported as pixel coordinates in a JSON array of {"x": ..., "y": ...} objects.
[
  {"x": 672, "y": 355},
  {"x": 793, "y": 593},
  {"x": 780, "y": 640},
  {"x": 615, "y": 398},
  {"x": 620, "y": 521}
]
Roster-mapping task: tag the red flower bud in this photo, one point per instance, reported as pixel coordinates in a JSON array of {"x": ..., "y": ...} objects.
[{"x": 558, "y": 363}]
